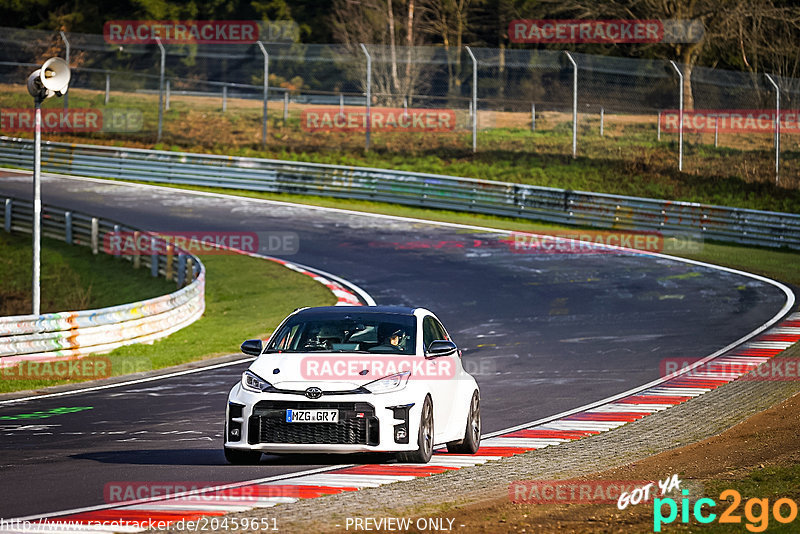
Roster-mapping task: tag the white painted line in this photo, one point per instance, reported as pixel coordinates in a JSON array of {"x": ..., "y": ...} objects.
[
  {"x": 602, "y": 426},
  {"x": 521, "y": 443}
]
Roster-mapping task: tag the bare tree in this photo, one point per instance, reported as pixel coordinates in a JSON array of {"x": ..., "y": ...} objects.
[{"x": 447, "y": 21}]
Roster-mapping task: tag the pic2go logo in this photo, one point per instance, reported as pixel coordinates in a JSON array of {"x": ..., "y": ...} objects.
[{"x": 756, "y": 511}]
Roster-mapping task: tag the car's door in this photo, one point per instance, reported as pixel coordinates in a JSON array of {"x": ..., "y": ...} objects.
[{"x": 441, "y": 376}]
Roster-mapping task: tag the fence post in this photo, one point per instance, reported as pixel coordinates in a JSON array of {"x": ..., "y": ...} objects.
[
  {"x": 474, "y": 100},
  {"x": 224, "y": 98},
  {"x": 777, "y": 127},
  {"x": 108, "y": 88},
  {"x": 189, "y": 269},
  {"x": 68, "y": 227},
  {"x": 369, "y": 97},
  {"x": 533, "y": 116},
  {"x": 341, "y": 103},
  {"x": 680, "y": 115},
  {"x": 168, "y": 268},
  {"x": 95, "y": 235},
  {"x": 266, "y": 94},
  {"x": 161, "y": 89},
  {"x": 574, "y": 104},
  {"x": 658, "y": 125},
  {"x": 181, "y": 273},
  {"x": 285, "y": 107},
  {"x": 7, "y": 217},
  {"x": 602, "y": 120},
  {"x": 137, "y": 253},
  {"x": 716, "y": 131},
  {"x": 66, "y": 58},
  {"x": 153, "y": 257},
  {"x": 168, "y": 96},
  {"x": 107, "y": 244}
]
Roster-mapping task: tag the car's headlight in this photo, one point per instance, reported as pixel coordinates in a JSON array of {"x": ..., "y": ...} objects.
[
  {"x": 253, "y": 382},
  {"x": 389, "y": 383}
]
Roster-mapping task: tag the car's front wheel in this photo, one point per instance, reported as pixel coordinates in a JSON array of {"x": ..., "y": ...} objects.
[
  {"x": 424, "y": 438},
  {"x": 472, "y": 434},
  {"x": 239, "y": 457}
]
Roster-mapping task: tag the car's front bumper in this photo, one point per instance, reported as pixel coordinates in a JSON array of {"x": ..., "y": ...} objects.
[{"x": 367, "y": 423}]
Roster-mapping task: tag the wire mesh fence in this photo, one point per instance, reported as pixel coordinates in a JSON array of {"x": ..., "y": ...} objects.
[{"x": 421, "y": 100}]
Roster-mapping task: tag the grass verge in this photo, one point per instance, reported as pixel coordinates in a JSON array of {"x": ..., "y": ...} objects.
[{"x": 245, "y": 298}]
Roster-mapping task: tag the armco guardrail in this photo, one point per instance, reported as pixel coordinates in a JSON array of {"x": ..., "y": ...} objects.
[
  {"x": 55, "y": 336},
  {"x": 417, "y": 189}
]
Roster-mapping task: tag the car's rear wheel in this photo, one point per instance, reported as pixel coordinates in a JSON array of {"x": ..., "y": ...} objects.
[
  {"x": 424, "y": 438},
  {"x": 472, "y": 434},
  {"x": 239, "y": 457}
]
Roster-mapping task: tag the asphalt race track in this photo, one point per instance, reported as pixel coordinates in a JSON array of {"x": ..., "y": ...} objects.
[{"x": 542, "y": 333}]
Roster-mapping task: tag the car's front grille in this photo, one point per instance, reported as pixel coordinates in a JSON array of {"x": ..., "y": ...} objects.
[{"x": 357, "y": 424}]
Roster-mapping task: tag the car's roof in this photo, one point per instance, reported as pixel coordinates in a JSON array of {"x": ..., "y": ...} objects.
[{"x": 339, "y": 311}]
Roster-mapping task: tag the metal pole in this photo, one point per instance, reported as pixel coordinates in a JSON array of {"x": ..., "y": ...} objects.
[
  {"x": 108, "y": 87},
  {"x": 716, "y": 131},
  {"x": 168, "y": 95},
  {"x": 659, "y": 125},
  {"x": 341, "y": 103},
  {"x": 224, "y": 98},
  {"x": 161, "y": 89},
  {"x": 66, "y": 58},
  {"x": 285, "y": 107},
  {"x": 533, "y": 116},
  {"x": 266, "y": 93},
  {"x": 602, "y": 118},
  {"x": 37, "y": 203},
  {"x": 474, "y": 100},
  {"x": 777, "y": 127},
  {"x": 574, "y": 104},
  {"x": 680, "y": 116},
  {"x": 369, "y": 97}
]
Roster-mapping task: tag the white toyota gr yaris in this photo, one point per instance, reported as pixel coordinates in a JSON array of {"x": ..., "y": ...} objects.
[{"x": 346, "y": 379}]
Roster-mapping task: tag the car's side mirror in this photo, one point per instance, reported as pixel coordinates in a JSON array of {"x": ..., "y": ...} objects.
[
  {"x": 253, "y": 347},
  {"x": 440, "y": 347}
]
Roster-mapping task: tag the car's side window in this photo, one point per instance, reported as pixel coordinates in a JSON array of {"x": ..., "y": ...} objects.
[
  {"x": 429, "y": 332},
  {"x": 440, "y": 332}
]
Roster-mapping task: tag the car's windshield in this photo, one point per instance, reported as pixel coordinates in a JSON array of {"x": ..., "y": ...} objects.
[{"x": 376, "y": 333}]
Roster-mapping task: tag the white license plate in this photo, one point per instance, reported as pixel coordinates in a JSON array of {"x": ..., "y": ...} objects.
[{"x": 312, "y": 416}]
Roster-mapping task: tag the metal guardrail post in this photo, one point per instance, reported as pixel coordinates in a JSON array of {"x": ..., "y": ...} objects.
[
  {"x": 574, "y": 104},
  {"x": 66, "y": 58},
  {"x": 95, "y": 235},
  {"x": 474, "y": 100},
  {"x": 266, "y": 94},
  {"x": 170, "y": 258},
  {"x": 533, "y": 116},
  {"x": 285, "y": 107},
  {"x": 224, "y": 98},
  {"x": 7, "y": 215},
  {"x": 161, "y": 88},
  {"x": 153, "y": 257},
  {"x": 181, "y": 274},
  {"x": 168, "y": 95},
  {"x": 108, "y": 89},
  {"x": 68, "y": 227},
  {"x": 137, "y": 257},
  {"x": 106, "y": 244},
  {"x": 777, "y": 127},
  {"x": 189, "y": 270},
  {"x": 680, "y": 116},
  {"x": 369, "y": 97}
]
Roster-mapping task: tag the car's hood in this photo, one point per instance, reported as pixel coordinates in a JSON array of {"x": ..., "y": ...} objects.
[{"x": 341, "y": 371}]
